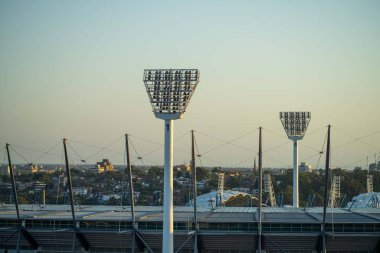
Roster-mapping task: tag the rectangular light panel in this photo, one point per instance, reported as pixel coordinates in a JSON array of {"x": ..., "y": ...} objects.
[
  {"x": 170, "y": 90},
  {"x": 295, "y": 123}
]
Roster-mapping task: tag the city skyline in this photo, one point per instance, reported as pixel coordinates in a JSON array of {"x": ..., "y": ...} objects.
[{"x": 75, "y": 70}]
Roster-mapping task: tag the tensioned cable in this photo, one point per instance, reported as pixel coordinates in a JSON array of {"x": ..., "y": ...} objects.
[
  {"x": 356, "y": 139},
  {"x": 304, "y": 145},
  {"x": 322, "y": 151},
  {"x": 48, "y": 152},
  {"x": 101, "y": 148},
  {"x": 275, "y": 133},
  {"x": 79, "y": 156},
  {"x": 315, "y": 131},
  {"x": 138, "y": 156},
  {"x": 96, "y": 146},
  {"x": 276, "y": 147},
  {"x": 253, "y": 151},
  {"x": 1, "y": 178},
  {"x": 363, "y": 137},
  {"x": 198, "y": 154},
  {"x": 225, "y": 142},
  {"x": 35, "y": 150},
  {"x": 161, "y": 145},
  {"x": 249, "y": 159},
  {"x": 211, "y": 160},
  {"x": 157, "y": 143},
  {"x": 143, "y": 139},
  {"x": 309, "y": 157},
  {"x": 347, "y": 165},
  {"x": 20, "y": 155},
  {"x": 146, "y": 160},
  {"x": 229, "y": 142},
  {"x": 181, "y": 136}
]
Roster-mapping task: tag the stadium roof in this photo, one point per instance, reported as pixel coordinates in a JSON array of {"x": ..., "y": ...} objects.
[{"x": 221, "y": 214}]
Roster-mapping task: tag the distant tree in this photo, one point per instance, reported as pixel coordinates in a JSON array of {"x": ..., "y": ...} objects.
[
  {"x": 138, "y": 172},
  {"x": 113, "y": 202},
  {"x": 216, "y": 169},
  {"x": 372, "y": 167},
  {"x": 155, "y": 172},
  {"x": 202, "y": 173}
]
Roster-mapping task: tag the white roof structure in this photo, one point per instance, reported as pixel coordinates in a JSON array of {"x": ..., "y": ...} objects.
[
  {"x": 365, "y": 200},
  {"x": 205, "y": 200}
]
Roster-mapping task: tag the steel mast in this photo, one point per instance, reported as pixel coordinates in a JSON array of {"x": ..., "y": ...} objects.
[
  {"x": 295, "y": 125},
  {"x": 169, "y": 92}
]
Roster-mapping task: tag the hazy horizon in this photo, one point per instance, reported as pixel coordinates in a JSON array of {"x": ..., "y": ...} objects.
[{"x": 74, "y": 69}]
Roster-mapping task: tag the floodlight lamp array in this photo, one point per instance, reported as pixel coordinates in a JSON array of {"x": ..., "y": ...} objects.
[
  {"x": 170, "y": 90},
  {"x": 295, "y": 123}
]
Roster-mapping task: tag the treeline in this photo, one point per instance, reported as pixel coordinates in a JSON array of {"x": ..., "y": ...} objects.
[{"x": 352, "y": 183}]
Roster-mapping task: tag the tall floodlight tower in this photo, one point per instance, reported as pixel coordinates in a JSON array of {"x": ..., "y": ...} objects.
[
  {"x": 169, "y": 91},
  {"x": 295, "y": 125}
]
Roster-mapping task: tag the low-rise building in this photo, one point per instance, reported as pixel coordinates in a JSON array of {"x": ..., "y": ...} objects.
[
  {"x": 104, "y": 166},
  {"x": 303, "y": 167}
]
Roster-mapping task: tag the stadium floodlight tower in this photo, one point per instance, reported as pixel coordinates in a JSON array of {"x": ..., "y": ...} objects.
[
  {"x": 295, "y": 125},
  {"x": 169, "y": 91}
]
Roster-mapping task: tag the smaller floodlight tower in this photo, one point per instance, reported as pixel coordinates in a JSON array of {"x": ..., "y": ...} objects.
[
  {"x": 169, "y": 91},
  {"x": 295, "y": 125}
]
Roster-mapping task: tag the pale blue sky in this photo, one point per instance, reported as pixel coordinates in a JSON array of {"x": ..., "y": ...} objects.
[{"x": 74, "y": 69}]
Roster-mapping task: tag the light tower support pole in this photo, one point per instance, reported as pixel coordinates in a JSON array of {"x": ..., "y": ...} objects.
[
  {"x": 169, "y": 92},
  {"x": 295, "y": 125},
  {"x": 295, "y": 174},
  {"x": 167, "y": 242}
]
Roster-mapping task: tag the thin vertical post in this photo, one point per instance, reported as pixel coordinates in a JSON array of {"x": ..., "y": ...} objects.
[
  {"x": 14, "y": 196},
  {"x": 69, "y": 182},
  {"x": 326, "y": 190},
  {"x": 194, "y": 170},
  {"x": 295, "y": 174},
  {"x": 70, "y": 194},
  {"x": 260, "y": 189},
  {"x": 167, "y": 243},
  {"x": 43, "y": 197},
  {"x": 131, "y": 193},
  {"x": 13, "y": 182}
]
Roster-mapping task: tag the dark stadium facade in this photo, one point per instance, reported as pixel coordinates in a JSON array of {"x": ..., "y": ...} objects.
[{"x": 222, "y": 230}]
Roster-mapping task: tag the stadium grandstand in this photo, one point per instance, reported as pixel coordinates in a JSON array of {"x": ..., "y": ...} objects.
[{"x": 220, "y": 230}]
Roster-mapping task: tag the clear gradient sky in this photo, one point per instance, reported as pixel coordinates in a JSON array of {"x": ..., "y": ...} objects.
[{"x": 74, "y": 69}]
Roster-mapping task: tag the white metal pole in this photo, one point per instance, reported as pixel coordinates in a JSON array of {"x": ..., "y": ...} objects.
[
  {"x": 295, "y": 174},
  {"x": 167, "y": 237}
]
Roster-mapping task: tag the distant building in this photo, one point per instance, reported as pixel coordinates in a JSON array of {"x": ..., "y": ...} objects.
[
  {"x": 201, "y": 185},
  {"x": 184, "y": 168},
  {"x": 105, "y": 166},
  {"x": 34, "y": 168},
  {"x": 81, "y": 190},
  {"x": 59, "y": 182},
  {"x": 305, "y": 168}
]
